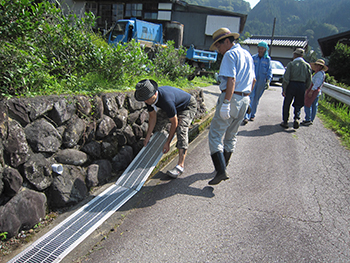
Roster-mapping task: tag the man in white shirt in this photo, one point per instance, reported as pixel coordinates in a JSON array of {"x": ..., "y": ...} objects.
[{"x": 237, "y": 78}]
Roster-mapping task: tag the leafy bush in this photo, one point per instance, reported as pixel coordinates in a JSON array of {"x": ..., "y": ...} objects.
[
  {"x": 339, "y": 63},
  {"x": 43, "y": 51},
  {"x": 169, "y": 61}
]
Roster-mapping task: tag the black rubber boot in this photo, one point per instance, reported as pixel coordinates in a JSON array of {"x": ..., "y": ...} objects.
[
  {"x": 220, "y": 167},
  {"x": 227, "y": 156}
]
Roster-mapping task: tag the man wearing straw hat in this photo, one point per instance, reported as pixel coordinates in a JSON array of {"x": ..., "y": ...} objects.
[
  {"x": 237, "y": 79},
  {"x": 296, "y": 80},
  {"x": 312, "y": 93},
  {"x": 180, "y": 108}
]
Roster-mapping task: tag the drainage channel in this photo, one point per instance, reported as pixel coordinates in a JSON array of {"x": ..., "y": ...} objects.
[{"x": 62, "y": 239}]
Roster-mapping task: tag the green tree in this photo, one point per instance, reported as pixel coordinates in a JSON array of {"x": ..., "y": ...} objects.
[{"x": 339, "y": 63}]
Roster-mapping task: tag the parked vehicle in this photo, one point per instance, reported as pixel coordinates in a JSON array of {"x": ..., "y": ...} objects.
[
  {"x": 277, "y": 71},
  {"x": 146, "y": 33},
  {"x": 200, "y": 59},
  {"x": 150, "y": 35}
]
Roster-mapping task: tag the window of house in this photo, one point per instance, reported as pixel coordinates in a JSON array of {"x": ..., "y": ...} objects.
[
  {"x": 117, "y": 12},
  {"x": 133, "y": 10},
  {"x": 150, "y": 11}
]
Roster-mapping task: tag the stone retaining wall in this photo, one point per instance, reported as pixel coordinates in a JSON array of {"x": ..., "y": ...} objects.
[{"x": 93, "y": 138}]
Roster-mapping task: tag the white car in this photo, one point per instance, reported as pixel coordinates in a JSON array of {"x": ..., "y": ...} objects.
[{"x": 277, "y": 71}]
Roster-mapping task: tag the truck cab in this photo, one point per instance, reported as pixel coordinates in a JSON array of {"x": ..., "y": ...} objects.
[{"x": 146, "y": 33}]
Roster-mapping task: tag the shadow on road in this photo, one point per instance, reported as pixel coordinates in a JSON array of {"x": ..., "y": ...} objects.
[
  {"x": 171, "y": 187},
  {"x": 264, "y": 130}
]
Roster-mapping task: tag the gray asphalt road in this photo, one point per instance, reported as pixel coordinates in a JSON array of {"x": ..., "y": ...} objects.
[{"x": 287, "y": 200}]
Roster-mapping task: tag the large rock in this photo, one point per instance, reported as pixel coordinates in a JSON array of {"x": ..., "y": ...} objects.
[
  {"x": 2, "y": 162},
  {"x": 38, "y": 106},
  {"x": 121, "y": 118},
  {"x": 68, "y": 188},
  {"x": 22, "y": 212},
  {"x": 98, "y": 173},
  {"x": 3, "y": 119},
  {"x": 120, "y": 98},
  {"x": 143, "y": 117},
  {"x": 105, "y": 126},
  {"x": 138, "y": 132},
  {"x": 1, "y": 182},
  {"x": 133, "y": 104},
  {"x": 110, "y": 104},
  {"x": 129, "y": 134},
  {"x": 123, "y": 158},
  {"x": 109, "y": 149},
  {"x": 84, "y": 107},
  {"x": 63, "y": 109},
  {"x": 71, "y": 156},
  {"x": 12, "y": 181},
  {"x": 97, "y": 105},
  {"x": 133, "y": 116},
  {"x": 42, "y": 136},
  {"x": 37, "y": 170},
  {"x": 74, "y": 131},
  {"x": 93, "y": 149},
  {"x": 16, "y": 144},
  {"x": 18, "y": 111}
]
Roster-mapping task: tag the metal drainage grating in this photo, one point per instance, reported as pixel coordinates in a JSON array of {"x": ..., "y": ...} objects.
[{"x": 62, "y": 239}]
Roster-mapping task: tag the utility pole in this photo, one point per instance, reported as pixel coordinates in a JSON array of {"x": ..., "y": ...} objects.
[{"x": 273, "y": 33}]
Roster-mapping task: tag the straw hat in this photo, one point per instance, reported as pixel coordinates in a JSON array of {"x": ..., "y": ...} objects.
[
  {"x": 299, "y": 51},
  {"x": 145, "y": 89},
  {"x": 221, "y": 34},
  {"x": 319, "y": 62}
]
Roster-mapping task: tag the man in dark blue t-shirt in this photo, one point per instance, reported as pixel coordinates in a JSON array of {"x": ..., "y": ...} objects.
[{"x": 180, "y": 108}]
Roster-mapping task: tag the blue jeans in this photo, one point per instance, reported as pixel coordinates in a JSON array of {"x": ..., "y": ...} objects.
[
  {"x": 310, "y": 112},
  {"x": 255, "y": 96}
]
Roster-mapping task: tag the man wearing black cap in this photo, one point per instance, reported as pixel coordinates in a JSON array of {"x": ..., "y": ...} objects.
[
  {"x": 296, "y": 80},
  {"x": 180, "y": 108}
]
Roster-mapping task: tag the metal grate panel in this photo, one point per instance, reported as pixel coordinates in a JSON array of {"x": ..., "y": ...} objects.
[{"x": 62, "y": 239}]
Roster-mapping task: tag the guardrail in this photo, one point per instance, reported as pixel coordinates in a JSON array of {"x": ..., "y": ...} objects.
[{"x": 343, "y": 95}]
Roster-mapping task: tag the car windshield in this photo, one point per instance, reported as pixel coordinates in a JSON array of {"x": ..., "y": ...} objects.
[{"x": 276, "y": 64}]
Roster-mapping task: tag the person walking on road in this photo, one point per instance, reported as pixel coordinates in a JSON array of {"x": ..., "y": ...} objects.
[
  {"x": 237, "y": 79},
  {"x": 295, "y": 80},
  {"x": 312, "y": 93},
  {"x": 263, "y": 74},
  {"x": 180, "y": 108}
]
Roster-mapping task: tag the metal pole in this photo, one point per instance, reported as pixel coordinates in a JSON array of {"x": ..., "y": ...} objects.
[{"x": 273, "y": 33}]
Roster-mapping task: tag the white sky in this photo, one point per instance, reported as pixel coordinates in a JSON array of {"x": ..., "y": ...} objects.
[{"x": 252, "y": 2}]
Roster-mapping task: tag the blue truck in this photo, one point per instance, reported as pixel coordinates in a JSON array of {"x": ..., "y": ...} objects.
[
  {"x": 150, "y": 35},
  {"x": 146, "y": 33}
]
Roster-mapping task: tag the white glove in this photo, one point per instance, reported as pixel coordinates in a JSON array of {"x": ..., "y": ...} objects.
[{"x": 225, "y": 111}]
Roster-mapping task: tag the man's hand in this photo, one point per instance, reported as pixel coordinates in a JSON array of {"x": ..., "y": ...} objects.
[
  {"x": 225, "y": 111},
  {"x": 145, "y": 142},
  {"x": 310, "y": 94},
  {"x": 166, "y": 147},
  {"x": 267, "y": 84}
]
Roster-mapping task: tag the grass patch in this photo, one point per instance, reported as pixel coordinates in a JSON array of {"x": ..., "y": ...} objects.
[{"x": 335, "y": 116}]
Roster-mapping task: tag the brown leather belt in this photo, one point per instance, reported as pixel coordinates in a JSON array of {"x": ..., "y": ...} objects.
[{"x": 239, "y": 93}]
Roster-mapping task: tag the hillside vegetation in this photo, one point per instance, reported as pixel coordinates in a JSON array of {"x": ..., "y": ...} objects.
[
  {"x": 45, "y": 52},
  {"x": 312, "y": 18}
]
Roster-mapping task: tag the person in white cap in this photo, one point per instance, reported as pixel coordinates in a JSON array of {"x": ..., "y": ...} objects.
[
  {"x": 296, "y": 80},
  {"x": 263, "y": 74},
  {"x": 180, "y": 108},
  {"x": 237, "y": 79}
]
